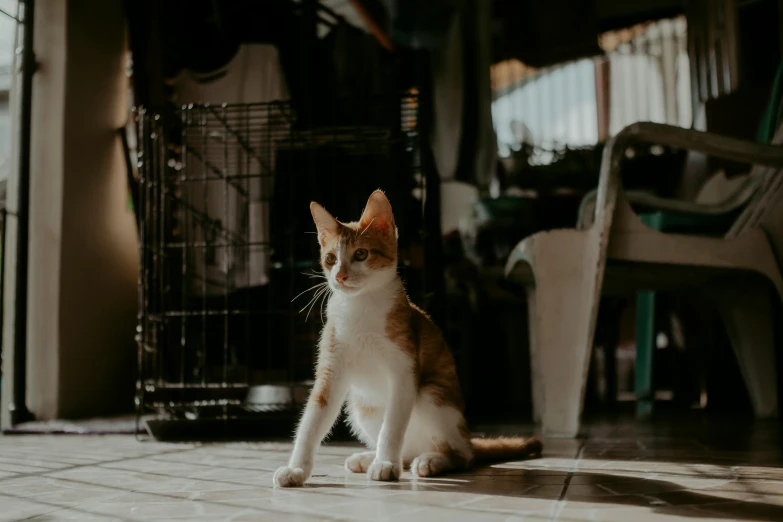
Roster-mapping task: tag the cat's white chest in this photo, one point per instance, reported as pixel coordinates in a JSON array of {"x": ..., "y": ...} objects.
[
  {"x": 368, "y": 356},
  {"x": 359, "y": 321}
]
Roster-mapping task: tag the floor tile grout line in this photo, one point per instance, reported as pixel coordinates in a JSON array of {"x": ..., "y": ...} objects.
[
  {"x": 344, "y": 499},
  {"x": 216, "y": 466},
  {"x": 573, "y": 469},
  {"x": 78, "y": 466},
  {"x": 23, "y": 458},
  {"x": 291, "y": 492},
  {"x": 73, "y": 507},
  {"x": 121, "y": 492},
  {"x": 288, "y": 491},
  {"x": 46, "y": 456},
  {"x": 53, "y": 451},
  {"x": 3, "y": 460},
  {"x": 561, "y": 501},
  {"x": 7, "y": 470},
  {"x": 54, "y": 510}
]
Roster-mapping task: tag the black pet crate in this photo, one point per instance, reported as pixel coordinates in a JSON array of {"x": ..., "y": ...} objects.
[{"x": 225, "y": 347}]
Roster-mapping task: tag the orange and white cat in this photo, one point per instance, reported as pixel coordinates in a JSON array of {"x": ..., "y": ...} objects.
[{"x": 384, "y": 356}]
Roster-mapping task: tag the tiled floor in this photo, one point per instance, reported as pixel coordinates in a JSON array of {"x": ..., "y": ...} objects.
[{"x": 621, "y": 472}]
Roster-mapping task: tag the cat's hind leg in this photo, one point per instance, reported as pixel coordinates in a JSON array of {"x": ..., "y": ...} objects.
[
  {"x": 360, "y": 462},
  {"x": 436, "y": 463},
  {"x": 438, "y": 438}
]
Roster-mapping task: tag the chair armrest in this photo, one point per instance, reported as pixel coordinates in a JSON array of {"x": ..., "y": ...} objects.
[
  {"x": 708, "y": 143},
  {"x": 609, "y": 183},
  {"x": 653, "y": 203},
  {"x": 645, "y": 202}
]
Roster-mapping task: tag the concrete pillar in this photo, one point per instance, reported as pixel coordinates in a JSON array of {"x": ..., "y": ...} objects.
[{"x": 83, "y": 259}]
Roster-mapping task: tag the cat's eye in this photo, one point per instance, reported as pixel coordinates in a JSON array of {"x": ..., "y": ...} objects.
[
  {"x": 331, "y": 259},
  {"x": 360, "y": 254}
]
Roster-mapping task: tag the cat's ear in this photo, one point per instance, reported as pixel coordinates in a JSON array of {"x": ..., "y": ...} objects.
[
  {"x": 324, "y": 222},
  {"x": 378, "y": 214}
]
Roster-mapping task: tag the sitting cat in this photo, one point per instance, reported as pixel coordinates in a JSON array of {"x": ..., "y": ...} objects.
[{"x": 385, "y": 357}]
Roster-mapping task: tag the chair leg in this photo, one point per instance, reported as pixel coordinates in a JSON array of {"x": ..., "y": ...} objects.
[
  {"x": 747, "y": 312},
  {"x": 562, "y": 308},
  {"x": 645, "y": 348},
  {"x": 607, "y": 334}
]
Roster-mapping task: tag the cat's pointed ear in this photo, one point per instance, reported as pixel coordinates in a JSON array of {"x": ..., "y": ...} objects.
[
  {"x": 324, "y": 222},
  {"x": 378, "y": 214}
]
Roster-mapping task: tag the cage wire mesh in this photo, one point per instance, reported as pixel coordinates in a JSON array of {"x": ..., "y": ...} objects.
[{"x": 227, "y": 245}]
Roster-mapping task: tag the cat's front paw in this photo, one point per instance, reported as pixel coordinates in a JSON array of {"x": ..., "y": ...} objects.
[
  {"x": 286, "y": 477},
  {"x": 384, "y": 470}
]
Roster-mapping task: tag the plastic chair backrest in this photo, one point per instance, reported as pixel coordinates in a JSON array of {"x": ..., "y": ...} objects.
[{"x": 767, "y": 197}]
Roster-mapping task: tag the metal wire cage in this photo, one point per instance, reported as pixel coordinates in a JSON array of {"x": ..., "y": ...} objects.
[{"x": 227, "y": 245}]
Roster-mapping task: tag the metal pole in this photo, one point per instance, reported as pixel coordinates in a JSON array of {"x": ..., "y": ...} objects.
[
  {"x": 18, "y": 406},
  {"x": 3, "y": 218}
]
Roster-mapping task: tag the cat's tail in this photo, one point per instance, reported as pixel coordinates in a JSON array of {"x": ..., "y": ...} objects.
[{"x": 500, "y": 449}]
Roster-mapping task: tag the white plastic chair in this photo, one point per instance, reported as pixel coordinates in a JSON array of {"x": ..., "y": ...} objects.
[{"x": 566, "y": 271}]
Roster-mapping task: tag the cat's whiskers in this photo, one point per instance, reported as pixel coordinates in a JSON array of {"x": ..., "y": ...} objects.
[
  {"x": 314, "y": 301},
  {"x": 315, "y": 296},
  {"x": 326, "y": 297},
  {"x": 311, "y": 288},
  {"x": 322, "y": 290}
]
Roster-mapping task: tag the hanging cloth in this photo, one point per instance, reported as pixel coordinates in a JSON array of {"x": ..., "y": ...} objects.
[{"x": 234, "y": 212}]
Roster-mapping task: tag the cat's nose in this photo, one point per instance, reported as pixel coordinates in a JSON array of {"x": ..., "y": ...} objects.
[{"x": 342, "y": 276}]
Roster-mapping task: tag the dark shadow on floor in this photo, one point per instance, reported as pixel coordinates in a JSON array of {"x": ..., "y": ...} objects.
[{"x": 731, "y": 500}]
